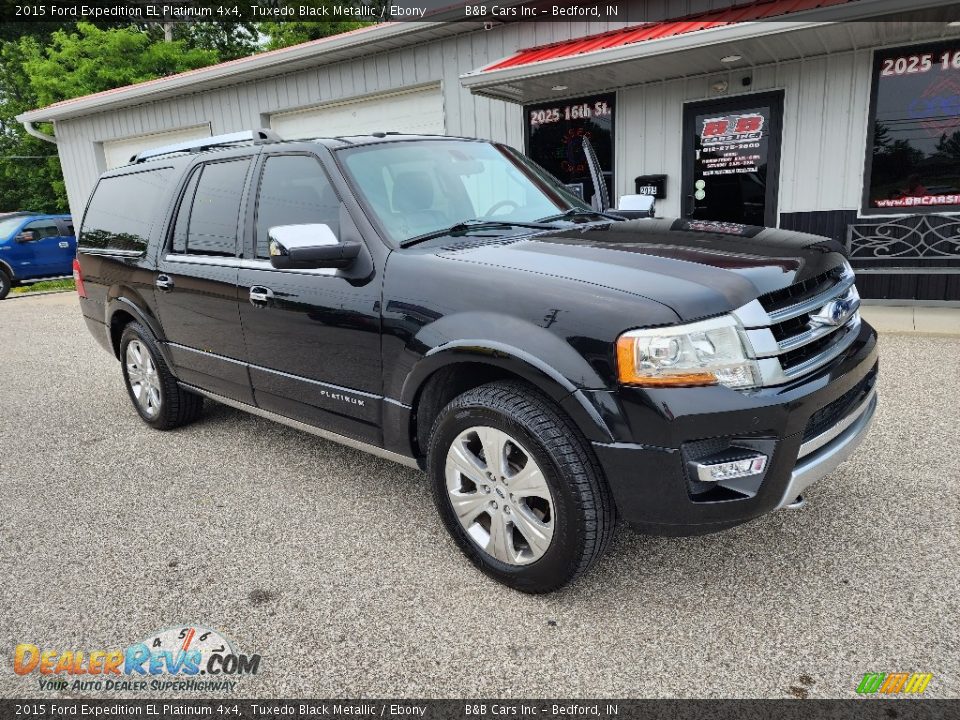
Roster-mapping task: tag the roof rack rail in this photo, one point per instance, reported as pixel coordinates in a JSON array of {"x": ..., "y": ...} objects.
[{"x": 200, "y": 144}]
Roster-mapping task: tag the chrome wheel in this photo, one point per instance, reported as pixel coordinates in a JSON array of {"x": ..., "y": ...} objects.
[
  {"x": 500, "y": 495},
  {"x": 143, "y": 378}
]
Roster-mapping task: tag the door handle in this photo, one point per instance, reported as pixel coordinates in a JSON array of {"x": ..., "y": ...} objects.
[
  {"x": 691, "y": 206},
  {"x": 260, "y": 295},
  {"x": 164, "y": 282}
]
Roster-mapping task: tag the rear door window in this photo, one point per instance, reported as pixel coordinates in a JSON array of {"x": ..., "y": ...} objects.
[
  {"x": 123, "y": 209},
  {"x": 182, "y": 222},
  {"x": 215, "y": 210}
]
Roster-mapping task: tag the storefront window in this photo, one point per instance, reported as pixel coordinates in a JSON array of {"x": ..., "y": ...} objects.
[
  {"x": 913, "y": 152},
  {"x": 555, "y": 133}
]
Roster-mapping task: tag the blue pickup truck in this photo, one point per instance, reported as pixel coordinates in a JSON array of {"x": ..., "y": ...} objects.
[{"x": 35, "y": 247}]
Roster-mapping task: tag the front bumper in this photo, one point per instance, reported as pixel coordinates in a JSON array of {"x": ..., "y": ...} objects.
[
  {"x": 806, "y": 429},
  {"x": 837, "y": 444}
]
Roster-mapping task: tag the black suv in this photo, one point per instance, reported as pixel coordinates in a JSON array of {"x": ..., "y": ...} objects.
[{"x": 447, "y": 304}]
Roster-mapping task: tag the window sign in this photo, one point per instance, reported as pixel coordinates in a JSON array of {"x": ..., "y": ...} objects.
[
  {"x": 732, "y": 164},
  {"x": 555, "y": 133},
  {"x": 913, "y": 151}
]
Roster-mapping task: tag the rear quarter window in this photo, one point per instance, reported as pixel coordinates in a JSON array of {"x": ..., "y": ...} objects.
[{"x": 123, "y": 209}]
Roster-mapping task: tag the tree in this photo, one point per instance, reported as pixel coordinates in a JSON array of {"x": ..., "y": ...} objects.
[
  {"x": 58, "y": 63},
  {"x": 92, "y": 59},
  {"x": 294, "y": 32},
  {"x": 230, "y": 40},
  {"x": 44, "y": 63},
  {"x": 949, "y": 146}
]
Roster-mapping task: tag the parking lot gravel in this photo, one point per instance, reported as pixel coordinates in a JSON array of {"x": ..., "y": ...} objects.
[{"x": 334, "y": 567}]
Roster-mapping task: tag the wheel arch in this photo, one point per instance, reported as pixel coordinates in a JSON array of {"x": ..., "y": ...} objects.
[
  {"x": 121, "y": 311},
  {"x": 8, "y": 269},
  {"x": 457, "y": 367}
]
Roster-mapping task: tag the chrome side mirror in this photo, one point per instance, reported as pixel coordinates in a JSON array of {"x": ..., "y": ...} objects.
[
  {"x": 640, "y": 205},
  {"x": 305, "y": 247}
]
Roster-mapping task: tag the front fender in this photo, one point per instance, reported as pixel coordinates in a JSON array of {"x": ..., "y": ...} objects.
[{"x": 529, "y": 351}]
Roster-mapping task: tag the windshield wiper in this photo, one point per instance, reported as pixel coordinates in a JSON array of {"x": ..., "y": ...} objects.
[
  {"x": 578, "y": 212},
  {"x": 475, "y": 224}
]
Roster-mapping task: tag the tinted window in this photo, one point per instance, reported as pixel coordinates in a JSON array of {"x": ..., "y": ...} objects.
[
  {"x": 182, "y": 223},
  {"x": 294, "y": 190},
  {"x": 43, "y": 228},
  {"x": 216, "y": 208},
  {"x": 913, "y": 160},
  {"x": 123, "y": 209},
  {"x": 555, "y": 133}
]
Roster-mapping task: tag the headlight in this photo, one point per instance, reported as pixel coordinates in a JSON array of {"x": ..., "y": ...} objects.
[{"x": 709, "y": 352}]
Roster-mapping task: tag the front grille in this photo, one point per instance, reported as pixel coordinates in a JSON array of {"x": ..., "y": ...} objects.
[
  {"x": 829, "y": 415},
  {"x": 789, "y": 329},
  {"x": 805, "y": 353},
  {"x": 798, "y": 292}
]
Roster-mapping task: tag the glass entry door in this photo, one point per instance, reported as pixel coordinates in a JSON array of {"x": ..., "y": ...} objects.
[{"x": 732, "y": 159}]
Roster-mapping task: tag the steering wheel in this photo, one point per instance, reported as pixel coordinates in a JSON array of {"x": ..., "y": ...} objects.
[{"x": 503, "y": 203}]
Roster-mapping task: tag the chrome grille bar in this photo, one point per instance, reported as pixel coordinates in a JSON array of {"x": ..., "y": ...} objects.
[
  {"x": 771, "y": 350},
  {"x": 815, "y": 303}
]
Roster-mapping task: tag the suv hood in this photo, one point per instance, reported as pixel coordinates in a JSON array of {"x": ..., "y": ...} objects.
[{"x": 696, "y": 268}]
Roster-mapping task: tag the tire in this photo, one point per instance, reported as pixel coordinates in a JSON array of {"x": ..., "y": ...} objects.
[
  {"x": 5, "y": 284},
  {"x": 158, "y": 399},
  {"x": 534, "y": 535}
]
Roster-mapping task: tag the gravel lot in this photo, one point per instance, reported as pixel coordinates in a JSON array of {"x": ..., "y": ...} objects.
[{"x": 333, "y": 565}]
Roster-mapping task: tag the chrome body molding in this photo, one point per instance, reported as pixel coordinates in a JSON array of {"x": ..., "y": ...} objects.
[
  {"x": 242, "y": 264},
  {"x": 837, "y": 445},
  {"x": 112, "y": 252},
  {"x": 303, "y": 427}
]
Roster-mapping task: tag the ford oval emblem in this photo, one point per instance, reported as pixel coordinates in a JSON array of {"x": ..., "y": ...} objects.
[{"x": 835, "y": 312}]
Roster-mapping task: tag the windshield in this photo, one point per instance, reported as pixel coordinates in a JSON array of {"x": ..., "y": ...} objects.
[
  {"x": 8, "y": 226},
  {"x": 422, "y": 186}
]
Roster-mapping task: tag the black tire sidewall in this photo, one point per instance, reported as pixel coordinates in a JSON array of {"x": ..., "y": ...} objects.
[
  {"x": 562, "y": 558},
  {"x": 5, "y": 284},
  {"x": 135, "y": 331}
]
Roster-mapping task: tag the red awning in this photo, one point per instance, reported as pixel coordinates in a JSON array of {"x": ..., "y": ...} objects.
[{"x": 751, "y": 11}]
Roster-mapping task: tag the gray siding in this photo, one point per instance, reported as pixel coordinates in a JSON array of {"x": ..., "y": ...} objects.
[
  {"x": 826, "y": 101},
  {"x": 246, "y": 105}
]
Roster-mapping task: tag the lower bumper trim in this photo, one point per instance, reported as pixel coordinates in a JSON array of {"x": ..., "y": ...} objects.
[{"x": 826, "y": 459}]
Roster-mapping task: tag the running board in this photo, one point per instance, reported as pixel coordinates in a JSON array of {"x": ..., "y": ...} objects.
[{"x": 303, "y": 427}]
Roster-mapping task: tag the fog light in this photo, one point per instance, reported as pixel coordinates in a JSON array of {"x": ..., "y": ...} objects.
[{"x": 742, "y": 466}]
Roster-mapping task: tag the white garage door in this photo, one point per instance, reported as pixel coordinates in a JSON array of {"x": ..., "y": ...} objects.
[
  {"x": 415, "y": 111},
  {"x": 119, "y": 152}
]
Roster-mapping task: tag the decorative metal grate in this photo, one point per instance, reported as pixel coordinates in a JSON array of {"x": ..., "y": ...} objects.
[{"x": 918, "y": 237}]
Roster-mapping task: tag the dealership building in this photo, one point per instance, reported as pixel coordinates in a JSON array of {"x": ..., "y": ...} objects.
[{"x": 836, "y": 117}]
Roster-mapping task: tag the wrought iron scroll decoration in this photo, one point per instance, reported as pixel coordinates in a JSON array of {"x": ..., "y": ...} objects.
[{"x": 909, "y": 238}]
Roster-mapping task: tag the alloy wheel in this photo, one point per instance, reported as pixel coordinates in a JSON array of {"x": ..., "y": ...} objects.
[
  {"x": 500, "y": 495},
  {"x": 143, "y": 378}
]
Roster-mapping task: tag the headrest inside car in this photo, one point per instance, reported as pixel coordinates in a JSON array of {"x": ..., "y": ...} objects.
[{"x": 412, "y": 191}]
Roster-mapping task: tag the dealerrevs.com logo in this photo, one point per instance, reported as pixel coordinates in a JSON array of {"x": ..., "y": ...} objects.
[{"x": 181, "y": 659}]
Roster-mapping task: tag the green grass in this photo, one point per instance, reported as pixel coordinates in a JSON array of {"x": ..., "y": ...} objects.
[{"x": 45, "y": 286}]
